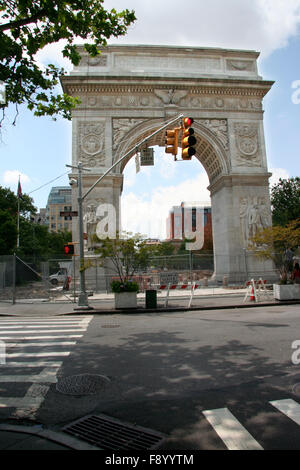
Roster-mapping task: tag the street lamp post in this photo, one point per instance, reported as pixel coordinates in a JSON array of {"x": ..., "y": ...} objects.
[{"x": 82, "y": 298}]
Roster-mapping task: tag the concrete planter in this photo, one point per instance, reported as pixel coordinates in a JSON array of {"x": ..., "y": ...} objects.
[
  {"x": 286, "y": 291},
  {"x": 125, "y": 300}
]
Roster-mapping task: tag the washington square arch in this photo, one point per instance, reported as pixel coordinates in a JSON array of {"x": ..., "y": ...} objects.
[{"x": 130, "y": 91}]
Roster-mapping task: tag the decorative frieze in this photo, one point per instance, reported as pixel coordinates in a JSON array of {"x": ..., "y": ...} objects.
[
  {"x": 156, "y": 98},
  {"x": 240, "y": 65},
  {"x": 121, "y": 127},
  {"x": 98, "y": 61},
  {"x": 246, "y": 138},
  {"x": 219, "y": 128},
  {"x": 91, "y": 143}
]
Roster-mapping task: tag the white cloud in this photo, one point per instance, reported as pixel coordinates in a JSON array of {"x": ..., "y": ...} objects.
[
  {"x": 263, "y": 25},
  {"x": 11, "y": 177},
  {"x": 148, "y": 215}
]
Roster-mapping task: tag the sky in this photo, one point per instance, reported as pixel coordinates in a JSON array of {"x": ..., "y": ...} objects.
[{"x": 38, "y": 149}]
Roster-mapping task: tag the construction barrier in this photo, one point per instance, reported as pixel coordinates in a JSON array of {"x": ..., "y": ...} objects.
[
  {"x": 169, "y": 287},
  {"x": 257, "y": 290}
]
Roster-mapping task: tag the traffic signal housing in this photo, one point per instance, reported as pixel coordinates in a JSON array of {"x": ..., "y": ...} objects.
[
  {"x": 69, "y": 249},
  {"x": 188, "y": 140},
  {"x": 171, "y": 141}
]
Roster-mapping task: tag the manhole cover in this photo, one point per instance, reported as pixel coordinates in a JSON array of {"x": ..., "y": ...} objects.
[
  {"x": 296, "y": 389},
  {"x": 84, "y": 384},
  {"x": 111, "y": 434}
]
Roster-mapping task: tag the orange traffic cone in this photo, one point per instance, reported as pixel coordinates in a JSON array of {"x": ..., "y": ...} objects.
[{"x": 252, "y": 296}]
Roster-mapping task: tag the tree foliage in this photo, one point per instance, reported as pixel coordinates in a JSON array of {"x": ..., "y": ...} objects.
[
  {"x": 28, "y": 26},
  {"x": 285, "y": 200},
  {"x": 128, "y": 253},
  {"x": 36, "y": 242}
]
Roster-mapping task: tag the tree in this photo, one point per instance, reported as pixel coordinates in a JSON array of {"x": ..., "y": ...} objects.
[
  {"x": 36, "y": 242},
  {"x": 285, "y": 200},
  {"x": 277, "y": 244},
  {"x": 28, "y": 26},
  {"x": 9, "y": 203}
]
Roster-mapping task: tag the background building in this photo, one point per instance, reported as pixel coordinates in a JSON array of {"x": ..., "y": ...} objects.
[
  {"x": 176, "y": 218},
  {"x": 40, "y": 217},
  {"x": 59, "y": 200}
]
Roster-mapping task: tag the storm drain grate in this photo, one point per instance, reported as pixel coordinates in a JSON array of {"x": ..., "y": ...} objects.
[{"x": 111, "y": 434}]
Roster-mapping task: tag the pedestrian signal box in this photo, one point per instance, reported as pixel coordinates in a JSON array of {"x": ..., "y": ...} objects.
[
  {"x": 171, "y": 141},
  {"x": 188, "y": 140},
  {"x": 69, "y": 249}
]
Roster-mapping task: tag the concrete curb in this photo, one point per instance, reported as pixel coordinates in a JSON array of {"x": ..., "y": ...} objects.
[{"x": 53, "y": 436}]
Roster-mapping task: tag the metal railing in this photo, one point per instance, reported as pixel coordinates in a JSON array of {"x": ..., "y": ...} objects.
[{"x": 58, "y": 279}]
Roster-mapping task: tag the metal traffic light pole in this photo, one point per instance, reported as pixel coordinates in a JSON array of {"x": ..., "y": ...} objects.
[{"x": 82, "y": 298}]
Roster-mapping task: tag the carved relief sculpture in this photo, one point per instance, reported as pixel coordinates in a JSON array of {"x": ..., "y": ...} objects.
[
  {"x": 90, "y": 221},
  {"x": 121, "y": 127},
  {"x": 246, "y": 135},
  {"x": 171, "y": 96},
  {"x": 219, "y": 128}
]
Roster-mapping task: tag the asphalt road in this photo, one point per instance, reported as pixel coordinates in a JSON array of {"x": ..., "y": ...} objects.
[{"x": 170, "y": 372}]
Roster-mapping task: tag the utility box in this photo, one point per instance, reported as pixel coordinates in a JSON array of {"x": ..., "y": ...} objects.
[{"x": 151, "y": 298}]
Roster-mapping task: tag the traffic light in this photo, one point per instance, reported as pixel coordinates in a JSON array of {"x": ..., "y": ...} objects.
[
  {"x": 188, "y": 139},
  {"x": 69, "y": 249},
  {"x": 171, "y": 141}
]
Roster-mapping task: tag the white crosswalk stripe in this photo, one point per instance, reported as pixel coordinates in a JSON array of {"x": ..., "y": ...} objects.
[
  {"x": 288, "y": 407},
  {"x": 233, "y": 433},
  {"x": 26, "y": 342}
]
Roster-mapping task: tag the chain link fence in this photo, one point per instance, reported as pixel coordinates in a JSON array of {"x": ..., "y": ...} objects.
[{"x": 58, "y": 279}]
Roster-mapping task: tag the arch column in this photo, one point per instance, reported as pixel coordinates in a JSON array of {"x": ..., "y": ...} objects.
[{"x": 240, "y": 206}]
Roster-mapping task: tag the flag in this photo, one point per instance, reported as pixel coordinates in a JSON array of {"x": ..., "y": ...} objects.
[{"x": 19, "y": 190}]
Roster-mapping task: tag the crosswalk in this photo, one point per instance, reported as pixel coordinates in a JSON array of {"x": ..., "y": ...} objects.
[
  {"x": 235, "y": 436},
  {"x": 32, "y": 350}
]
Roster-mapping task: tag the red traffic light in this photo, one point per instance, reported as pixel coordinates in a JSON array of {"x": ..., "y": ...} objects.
[
  {"x": 188, "y": 140},
  {"x": 187, "y": 122}
]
